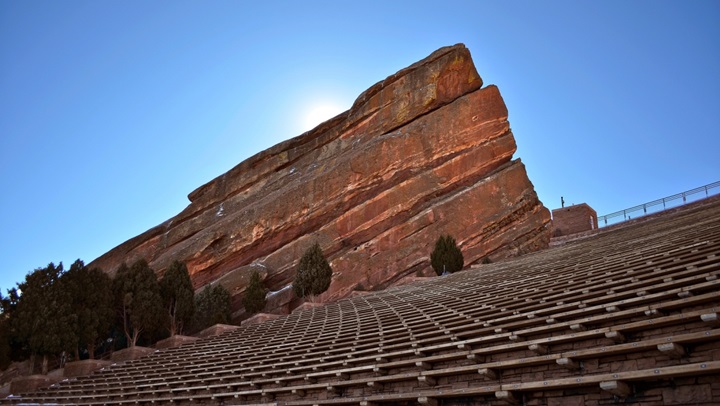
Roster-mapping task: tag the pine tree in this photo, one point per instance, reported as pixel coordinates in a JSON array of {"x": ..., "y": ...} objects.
[
  {"x": 91, "y": 301},
  {"x": 446, "y": 257},
  {"x": 314, "y": 273},
  {"x": 138, "y": 300},
  {"x": 19, "y": 350},
  {"x": 5, "y": 339},
  {"x": 43, "y": 318},
  {"x": 254, "y": 299},
  {"x": 178, "y": 297},
  {"x": 121, "y": 286},
  {"x": 212, "y": 307}
]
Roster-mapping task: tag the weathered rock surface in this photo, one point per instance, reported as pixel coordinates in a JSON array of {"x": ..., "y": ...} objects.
[
  {"x": 84, "y": 367},
  {"x": 425, "y": 152}
]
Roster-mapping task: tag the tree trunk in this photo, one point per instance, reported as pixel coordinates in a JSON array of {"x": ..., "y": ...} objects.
[
  {"x": 135, "y": 335},
  {"x": 32, "y": 362},
  {"x": 91, "y": 343},
  {"x": 45, "y": 364},
  {"x": 77, "y": 354},
  {"x": 171, "y": 315},
  {"x": 126, "y": 330}
]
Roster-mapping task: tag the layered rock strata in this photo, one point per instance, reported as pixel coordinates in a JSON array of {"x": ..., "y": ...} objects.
[{"x": 425, "y": 152}]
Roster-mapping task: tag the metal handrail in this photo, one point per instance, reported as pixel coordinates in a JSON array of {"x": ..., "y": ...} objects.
[{"x": 647, "y": 208}]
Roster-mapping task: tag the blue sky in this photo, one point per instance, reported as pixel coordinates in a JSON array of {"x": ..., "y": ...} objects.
[{"x": 113, "y": 111}]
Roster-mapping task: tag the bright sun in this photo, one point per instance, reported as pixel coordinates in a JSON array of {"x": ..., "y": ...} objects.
[{"x": 319, "y": 114}]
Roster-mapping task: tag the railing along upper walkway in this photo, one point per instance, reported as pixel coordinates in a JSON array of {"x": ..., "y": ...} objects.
[{"x": 659, "y": 205}]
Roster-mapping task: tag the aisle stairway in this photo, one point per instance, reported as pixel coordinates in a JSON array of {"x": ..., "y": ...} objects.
[{"x": 629, "y": 315}]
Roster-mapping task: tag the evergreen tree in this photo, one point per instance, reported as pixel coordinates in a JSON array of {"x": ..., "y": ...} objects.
[
  {"x": 5, "y": 339},
  {"x": 43, "y": 317},
  {"x": 18, "y": 347},
  {"x": 254, "y": 299},
  {"x": 178, "y": 297},
  {"x": 4, "y": 306},
  {"x": 212, "y": 306},
  {"x": 138, "y": 300},
  {"x": 314, "y": 274},
  {"x": 5, "y": 345},
  {"x": 92, "y": 302},
  {"x": 120, "y": 288},
  {"x": 446, "y": 257}
]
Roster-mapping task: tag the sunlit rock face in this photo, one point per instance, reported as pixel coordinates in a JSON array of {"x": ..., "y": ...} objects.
[{"x": 425, "y": 152}]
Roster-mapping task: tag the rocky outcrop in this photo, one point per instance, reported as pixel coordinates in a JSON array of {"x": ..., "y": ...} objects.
[{"x": 425, "y": 152}]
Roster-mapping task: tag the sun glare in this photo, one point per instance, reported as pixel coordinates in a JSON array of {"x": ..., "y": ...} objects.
[{"x": 319, "y": 114}]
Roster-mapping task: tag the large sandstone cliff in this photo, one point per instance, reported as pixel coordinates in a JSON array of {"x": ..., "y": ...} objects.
[{"x": 425, "y": 152}]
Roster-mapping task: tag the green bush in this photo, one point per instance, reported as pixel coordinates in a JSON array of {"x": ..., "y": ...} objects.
[
  {"x": 212, "y": 306},
  {"x": 314, "y": 274},
  {"x": 254, "y": 299},
  {"x": 446, "y": 257}
]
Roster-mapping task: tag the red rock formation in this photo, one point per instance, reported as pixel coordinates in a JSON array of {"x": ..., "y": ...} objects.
[{"x": 425, "y": 152}]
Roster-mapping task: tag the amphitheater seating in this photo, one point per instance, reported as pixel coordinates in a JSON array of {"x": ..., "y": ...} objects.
[{"x": 619, "y": 314}]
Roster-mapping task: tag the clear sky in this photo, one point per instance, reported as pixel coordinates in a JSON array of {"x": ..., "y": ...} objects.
[{"x": 111, "y": 112}]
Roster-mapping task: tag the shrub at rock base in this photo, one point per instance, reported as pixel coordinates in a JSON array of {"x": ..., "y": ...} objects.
[
  {"x": 313, "y": 275},
  {"x": 446, "y": 257}
]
